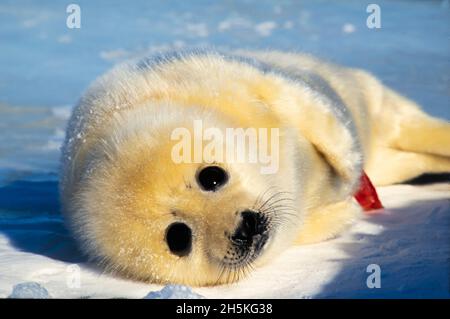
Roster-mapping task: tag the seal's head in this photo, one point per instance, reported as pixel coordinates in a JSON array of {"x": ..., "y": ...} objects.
[
  {"x": 202, "y": 221},
  {"x": 144, "y": 210}
]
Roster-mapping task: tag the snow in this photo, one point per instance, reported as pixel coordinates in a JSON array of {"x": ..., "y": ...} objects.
[
  {"x": 409, "y": 240},
  {"x": 174, "y": 292},
  {"x": 45, "y": 67},
  {"x": 348, "y": 28},
  {"x": 29, "y": 290}
]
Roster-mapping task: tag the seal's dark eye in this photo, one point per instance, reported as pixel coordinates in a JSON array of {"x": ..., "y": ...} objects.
[
  {"x": 211, "y": 178},
  {"x": 179, "y": 239}
]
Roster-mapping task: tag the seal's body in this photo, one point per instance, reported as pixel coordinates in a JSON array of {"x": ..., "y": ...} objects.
[{"x": 139, "y": 213}]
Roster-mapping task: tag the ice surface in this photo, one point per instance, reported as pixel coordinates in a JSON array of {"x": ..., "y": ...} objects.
[
  {"x": 45, "y": 67},
  {"x": 174, "y": 292},
  {"x": 29, "y": 290}
]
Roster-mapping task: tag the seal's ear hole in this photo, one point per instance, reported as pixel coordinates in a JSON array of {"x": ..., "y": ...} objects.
[
  {"x": 211, "y": 178},
  {"x": 179, "y": 239}
]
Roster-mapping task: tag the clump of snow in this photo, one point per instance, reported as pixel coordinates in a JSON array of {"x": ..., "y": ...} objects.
[
  {"x": 174, "y": 292},
  {"x": 233, "y": 22},
  {"x": 265, "y": 29},
  {"x": 29, "y": 290},
  {"x": 348, "y": 28}
]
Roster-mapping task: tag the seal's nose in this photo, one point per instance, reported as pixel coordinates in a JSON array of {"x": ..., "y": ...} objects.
[{"x": 251, "y": 225}]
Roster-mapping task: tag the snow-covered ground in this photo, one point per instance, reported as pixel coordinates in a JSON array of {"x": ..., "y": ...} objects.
[
  {"x": 44, "y": 67},
  {"x": 409, "y": 241}
]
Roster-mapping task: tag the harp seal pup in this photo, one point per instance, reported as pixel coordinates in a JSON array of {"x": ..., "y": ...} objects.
[{"x": 139, "y": 214}]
